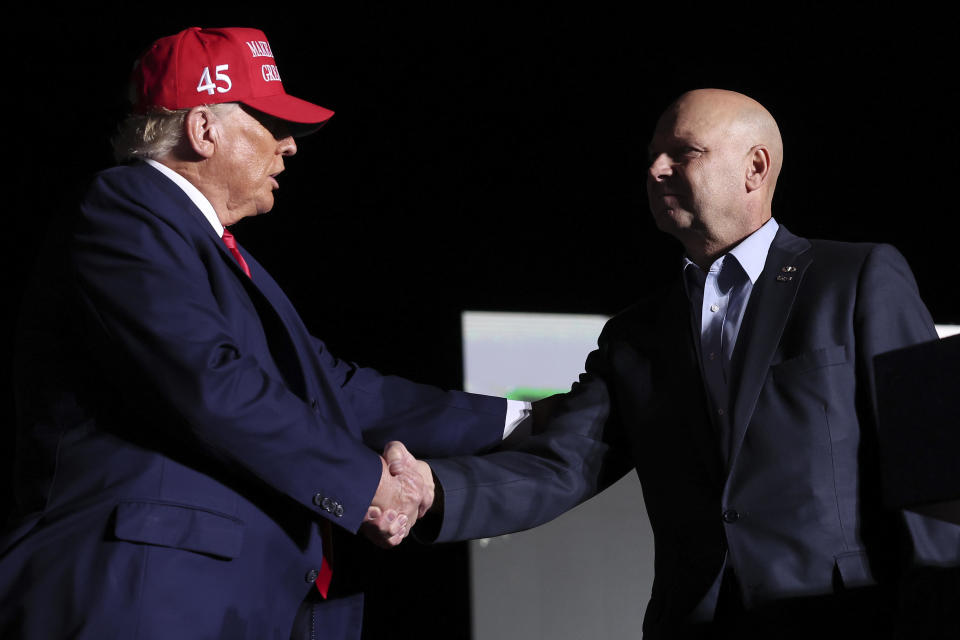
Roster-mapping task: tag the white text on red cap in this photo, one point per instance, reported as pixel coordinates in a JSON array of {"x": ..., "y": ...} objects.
[{"x": 260, "y": 48}]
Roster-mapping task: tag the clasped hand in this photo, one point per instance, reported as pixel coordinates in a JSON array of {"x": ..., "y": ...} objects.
[{"x": 405, "y": 493}]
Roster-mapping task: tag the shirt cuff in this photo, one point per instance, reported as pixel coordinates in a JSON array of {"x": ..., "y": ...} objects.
[{"x": 519, "y": 419}]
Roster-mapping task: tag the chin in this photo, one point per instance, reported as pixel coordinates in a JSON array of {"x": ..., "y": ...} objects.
[
  {"x": 666, "y": 219},
  {"x": 264, "y": 207}
]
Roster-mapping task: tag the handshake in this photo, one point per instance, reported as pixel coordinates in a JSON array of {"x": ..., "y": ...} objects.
[{"x": 405, "y": 493}]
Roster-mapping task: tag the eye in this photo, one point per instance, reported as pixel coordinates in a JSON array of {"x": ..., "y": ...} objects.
[{"x": 277, "y": 128}]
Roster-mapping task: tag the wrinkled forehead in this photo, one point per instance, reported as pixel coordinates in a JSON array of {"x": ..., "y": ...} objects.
[
  {"x": 694, "y": 120},
  {"x": 703, "y": 122}
]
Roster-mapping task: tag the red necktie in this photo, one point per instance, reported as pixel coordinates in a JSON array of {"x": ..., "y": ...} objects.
[
  {"x": 231, "y": 243},
  {"x": 326, "y": 572}
]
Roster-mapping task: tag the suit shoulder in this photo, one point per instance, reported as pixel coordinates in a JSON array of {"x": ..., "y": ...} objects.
[
  {"x": 139, "y": 191},
  {"x": 627, "y": 316},
  {"x": 123, "y": 174},
  {"x": 841, "y": 250},
  {"x": 641, "y": 312},
  {"x": 837, "y": 254}
]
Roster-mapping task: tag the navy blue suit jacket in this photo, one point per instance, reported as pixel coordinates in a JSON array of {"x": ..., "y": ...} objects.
[
  {"x": 181, "y": 434},
  {"x": 796, "y": 511}
]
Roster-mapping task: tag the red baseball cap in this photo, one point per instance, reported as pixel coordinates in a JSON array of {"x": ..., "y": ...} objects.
[{"x": 209, "y": 66}]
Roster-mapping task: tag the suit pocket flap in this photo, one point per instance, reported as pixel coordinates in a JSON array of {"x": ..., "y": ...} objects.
[
  {"x": 179, "y": 527},
  {"x": 854, "y": 569},
  {"x": 825, "y": 357}
]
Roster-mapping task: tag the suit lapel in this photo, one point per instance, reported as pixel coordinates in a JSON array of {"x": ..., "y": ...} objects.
[
  {"x": 688, "y": 408},
  {"x": 293, "y": 339},
  {"x": 275, "y": 308},
  {"x": 766, "y": 316},
  {"x": 281, "y": 323}
]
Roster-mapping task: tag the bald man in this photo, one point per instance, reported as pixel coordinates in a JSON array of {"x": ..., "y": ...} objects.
[{"x": 741, "y": 394}]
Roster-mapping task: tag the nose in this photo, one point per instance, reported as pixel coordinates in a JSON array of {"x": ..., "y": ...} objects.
[
  {"x": 287, "y": 146},
  {"x": 660, "y": 168}
]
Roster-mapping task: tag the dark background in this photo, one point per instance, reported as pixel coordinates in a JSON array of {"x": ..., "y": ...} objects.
[{"x": 492, "y": 157}]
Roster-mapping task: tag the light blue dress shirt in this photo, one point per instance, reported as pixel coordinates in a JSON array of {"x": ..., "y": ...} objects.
[{"x": 718, "y": 298}]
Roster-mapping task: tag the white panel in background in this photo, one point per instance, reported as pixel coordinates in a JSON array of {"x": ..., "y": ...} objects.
[
  {"x": 504, "y": 352},
  {"x": 588, "y": 573}
]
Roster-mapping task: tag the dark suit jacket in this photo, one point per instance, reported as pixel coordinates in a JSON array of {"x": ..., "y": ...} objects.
[
  {"x": 796, "y": 511},
  {"x": 181, "y": 434}
]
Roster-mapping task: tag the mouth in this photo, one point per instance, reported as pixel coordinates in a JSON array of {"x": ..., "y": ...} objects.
[
  {"x": 663, "y": 202},
  {"x": 273, "y": 180}
]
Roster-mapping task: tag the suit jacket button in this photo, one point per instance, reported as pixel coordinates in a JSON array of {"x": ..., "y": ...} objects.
[
  {"x": 730, "y": 516},
  {"x": 311, "y": 576},
  {"x": 338, "y": 510},
  {"x": 327, "y": 505},
  {"x": 318, "y": 499}
]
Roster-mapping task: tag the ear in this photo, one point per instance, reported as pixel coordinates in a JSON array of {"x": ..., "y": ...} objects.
[
  {"x": 201, "y": 130},
  {"x": 758, "y": 167}
]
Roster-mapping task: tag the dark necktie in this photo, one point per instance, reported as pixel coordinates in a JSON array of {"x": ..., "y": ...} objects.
[{"x": 231, "y": 243}]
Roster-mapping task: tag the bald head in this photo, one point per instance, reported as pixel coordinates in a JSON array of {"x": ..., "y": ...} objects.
[
  {"x": 735, "y": 115},
  {"x": 715, "y": 159}
]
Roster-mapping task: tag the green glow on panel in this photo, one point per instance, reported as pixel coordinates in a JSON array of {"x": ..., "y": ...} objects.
[{"x": 531, "y": 394}]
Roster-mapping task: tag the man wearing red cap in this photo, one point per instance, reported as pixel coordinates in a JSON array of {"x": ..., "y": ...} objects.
[{"x": 184, "y": 444}]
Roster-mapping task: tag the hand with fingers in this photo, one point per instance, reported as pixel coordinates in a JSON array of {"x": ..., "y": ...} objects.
[{"x": 405, "y": 493}]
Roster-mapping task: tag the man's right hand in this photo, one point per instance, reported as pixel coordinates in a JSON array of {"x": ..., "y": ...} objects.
[{"x": 405, "y": 493}]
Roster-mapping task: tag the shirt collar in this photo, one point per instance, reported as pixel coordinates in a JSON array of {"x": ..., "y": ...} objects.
[
  {"x": 752, "y": 252},
  {"x": 751, "y": 255},
  {"x": 192, "y": 192}
]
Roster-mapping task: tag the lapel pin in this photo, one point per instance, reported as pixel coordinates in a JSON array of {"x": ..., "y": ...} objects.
[{"x": 787, "y": 269}]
